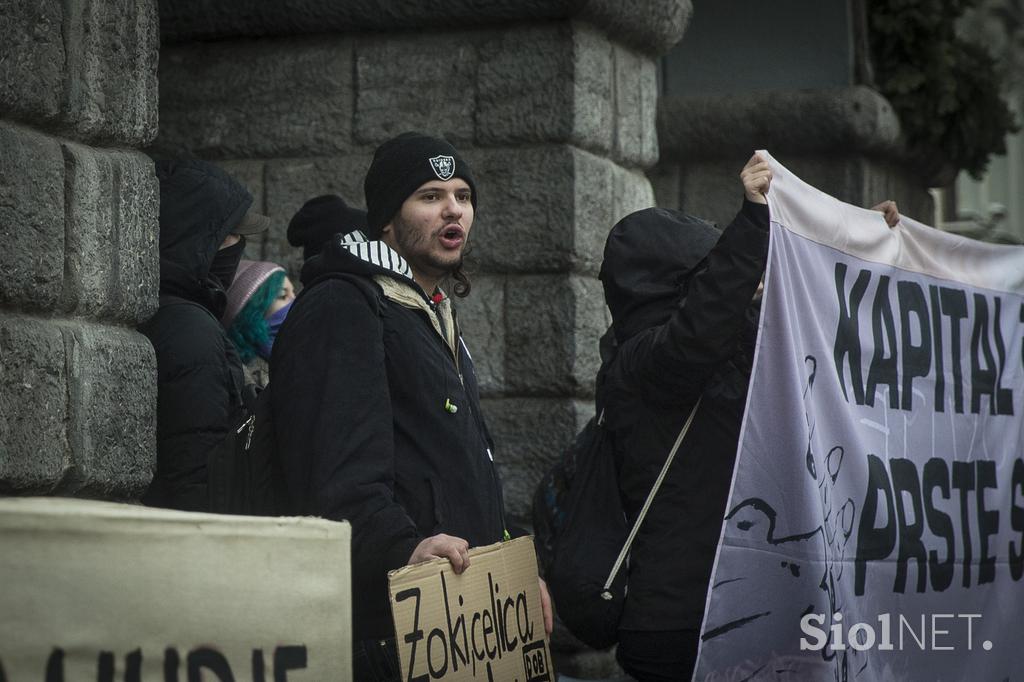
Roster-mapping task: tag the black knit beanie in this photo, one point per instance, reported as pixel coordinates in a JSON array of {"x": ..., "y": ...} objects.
[
  {"x": 319, "y": 219},
  {"x": 400, "y": 166}
]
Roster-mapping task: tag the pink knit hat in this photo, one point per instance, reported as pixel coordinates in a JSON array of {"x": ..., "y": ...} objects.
[{"x": 250, "y": 275}]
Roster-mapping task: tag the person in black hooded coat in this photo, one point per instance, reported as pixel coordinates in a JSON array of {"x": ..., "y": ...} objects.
[
  {"x": 680, "y": 293},
  {"x": 203, "y": 219},
  {"x": 685, "y": 303}
]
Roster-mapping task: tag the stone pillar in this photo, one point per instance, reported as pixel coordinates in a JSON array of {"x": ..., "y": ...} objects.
[
  {"x": 789, "y": 78},
  {"x": 78, "y": 224},
  {"x": 554, "y": 106}
]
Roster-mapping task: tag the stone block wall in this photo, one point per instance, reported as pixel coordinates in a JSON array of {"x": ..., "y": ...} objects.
[{"x": 78, "y": 229}]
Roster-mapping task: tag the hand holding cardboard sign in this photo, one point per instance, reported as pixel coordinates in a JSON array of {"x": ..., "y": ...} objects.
[
  {"x": 486, "y": 624},
  {"x": 442, "y": 546}
]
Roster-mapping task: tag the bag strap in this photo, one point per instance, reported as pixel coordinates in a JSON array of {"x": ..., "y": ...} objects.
[{"x": 605, "y": 593}]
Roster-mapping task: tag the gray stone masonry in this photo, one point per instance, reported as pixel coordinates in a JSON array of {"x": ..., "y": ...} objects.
[
  {"x": 551, "y": 331},
  {"x": 113, "y": 411},
  {"x": 531, "y": 431},
  {"x": 712, "y": 189},
  {"x": 34, "y": 408},
  {"x": 297, "y": 97},
  {"x": 78, "y": 230},
  {"x": 290, "y": 182},
  {"x": 651, "y": 25},
  {"x": 548, "y": 208},
  {"x": 801, "y": 122},
  {"x": 481, "y": 316},
  {"x": 257, "y": 99},
  {"x": 77, "y": 408},
  {"x": 111, "y": 259},
  {"x": 83, "y": 68},
  {"x": 33, "y": 57},
  {"x": 844, "y": 141},
  {"x": 31, "y": 219}
]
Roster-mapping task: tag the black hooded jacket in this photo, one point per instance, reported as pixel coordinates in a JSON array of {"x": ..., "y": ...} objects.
[
  {"x": 199, "y": 375},
  {"x": 360, "y": 383},
  {"x": 680, "y": 296}
]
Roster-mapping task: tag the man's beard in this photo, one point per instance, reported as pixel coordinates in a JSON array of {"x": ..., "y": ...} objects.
[{"x": 414, "y": 247}]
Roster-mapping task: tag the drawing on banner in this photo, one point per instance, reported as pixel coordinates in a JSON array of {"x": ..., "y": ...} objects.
[
  {"x": 836, "y": 527},
  {"x": 833, "y": 533}
]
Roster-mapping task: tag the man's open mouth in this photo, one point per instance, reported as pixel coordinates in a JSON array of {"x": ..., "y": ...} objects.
[{"x": 452, "y": 236}]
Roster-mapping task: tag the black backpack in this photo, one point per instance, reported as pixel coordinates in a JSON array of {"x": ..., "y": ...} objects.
[
  {"x": 579, "y": 528},
  {"x": 244, "y": 473}
]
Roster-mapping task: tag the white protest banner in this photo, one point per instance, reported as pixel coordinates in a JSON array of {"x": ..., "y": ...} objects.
[
  {"x": 875, "y": 528},
  {"x": 485, "y": 624},
  {"x": 102, "y": 591}
]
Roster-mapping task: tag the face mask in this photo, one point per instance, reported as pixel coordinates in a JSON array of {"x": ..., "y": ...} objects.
[
  {"x": 225, "y": 262},
  {"x": 274, "y": 323}
]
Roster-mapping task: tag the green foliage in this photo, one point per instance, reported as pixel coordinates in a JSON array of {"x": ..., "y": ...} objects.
[{"x": 943, "y": 88}]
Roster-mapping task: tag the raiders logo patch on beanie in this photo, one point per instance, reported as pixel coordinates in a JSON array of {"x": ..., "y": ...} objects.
[{"x": 444, "y": 166}]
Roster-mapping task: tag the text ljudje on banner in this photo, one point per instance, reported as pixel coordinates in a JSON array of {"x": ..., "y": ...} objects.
[{"x": 104, "y": 591}]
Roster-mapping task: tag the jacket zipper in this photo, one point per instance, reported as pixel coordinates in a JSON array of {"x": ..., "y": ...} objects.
[
  {"x": 251, "y": 424},
  {"x": 457, "y": 333}
]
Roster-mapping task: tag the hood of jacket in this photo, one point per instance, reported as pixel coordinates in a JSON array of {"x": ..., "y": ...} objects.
[
  {"x": 353, "y": 253},
  {"x": 199, "y": 206},
  {"x": 649, "y": 258}
]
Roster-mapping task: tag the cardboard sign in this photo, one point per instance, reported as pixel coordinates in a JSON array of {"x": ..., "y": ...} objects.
[
  {"x": 102, "y": 591},
  {"x": 485, "y": 624}
]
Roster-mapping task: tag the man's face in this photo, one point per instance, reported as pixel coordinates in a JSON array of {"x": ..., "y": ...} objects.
[{"x": 432, "y": 227}]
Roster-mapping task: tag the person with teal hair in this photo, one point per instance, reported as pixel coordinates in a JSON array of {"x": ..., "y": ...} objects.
[{"x": 258, "y": 302}]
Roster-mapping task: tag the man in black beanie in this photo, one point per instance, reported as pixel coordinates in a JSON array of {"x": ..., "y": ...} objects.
[
  {"x": 376, "y": 393},
  {"x": 416, "y": 173}
]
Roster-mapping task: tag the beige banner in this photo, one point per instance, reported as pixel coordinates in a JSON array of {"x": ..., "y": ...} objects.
[{"x": 102, "y": 591}]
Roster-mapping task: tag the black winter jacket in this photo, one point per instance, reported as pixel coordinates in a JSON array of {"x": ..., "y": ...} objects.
[
  {"x": 359, "y": 387},
  {"x": 199, "y": 375},
  {"x": 685, "y": 327}
]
